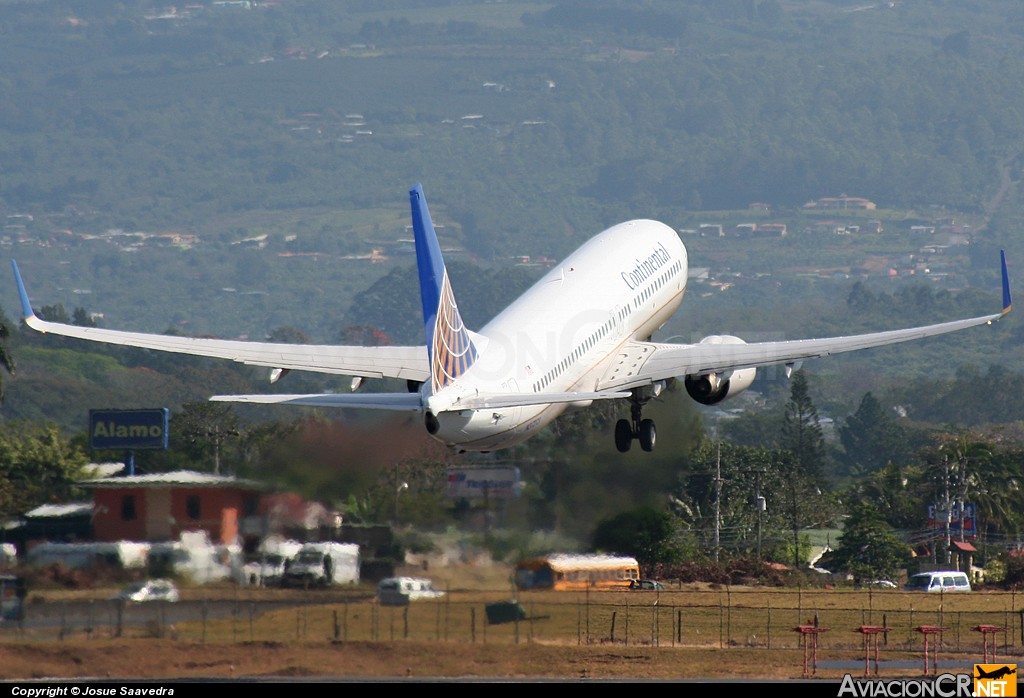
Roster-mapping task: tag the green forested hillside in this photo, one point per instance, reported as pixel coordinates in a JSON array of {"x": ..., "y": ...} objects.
[{"x": 283, "y": 137}]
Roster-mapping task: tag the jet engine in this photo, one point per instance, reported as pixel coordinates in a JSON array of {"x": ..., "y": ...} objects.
[{"x": 712, "y": 388}]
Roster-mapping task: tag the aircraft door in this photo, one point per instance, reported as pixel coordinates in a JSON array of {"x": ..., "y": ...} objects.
[{"x": 617, "y": 321}]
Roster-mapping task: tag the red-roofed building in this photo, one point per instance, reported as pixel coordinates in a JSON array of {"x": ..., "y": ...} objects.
[{"x": 162, "y": 506}]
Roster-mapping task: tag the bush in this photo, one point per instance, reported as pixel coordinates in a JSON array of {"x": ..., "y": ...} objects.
[
  {"x": 1014, "y": 575},
  {"x": 743, "y": 571}
]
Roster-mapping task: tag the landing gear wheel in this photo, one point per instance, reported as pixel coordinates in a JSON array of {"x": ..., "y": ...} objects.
[
  {"x": 647, "y": 434},
  {"x": 623, "y": 435}
]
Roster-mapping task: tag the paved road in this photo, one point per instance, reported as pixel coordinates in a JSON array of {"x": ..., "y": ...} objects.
[{"x": 83, "y": 616}]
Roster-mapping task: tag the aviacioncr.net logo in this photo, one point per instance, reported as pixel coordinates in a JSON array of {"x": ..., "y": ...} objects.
[
  {"x": 941, "y": 686},
  {"x": 995, "y": 680}
]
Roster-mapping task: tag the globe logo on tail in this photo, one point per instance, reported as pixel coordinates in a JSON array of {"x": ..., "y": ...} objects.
[{"x": 452, "y": 351}]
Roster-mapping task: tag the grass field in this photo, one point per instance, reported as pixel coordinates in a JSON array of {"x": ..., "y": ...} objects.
[{"x": 692, "y": 631}]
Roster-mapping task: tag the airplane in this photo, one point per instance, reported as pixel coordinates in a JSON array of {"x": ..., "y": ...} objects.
[
  {"x": 995, "y": 673},
  {"x": 581, "y": 333}
]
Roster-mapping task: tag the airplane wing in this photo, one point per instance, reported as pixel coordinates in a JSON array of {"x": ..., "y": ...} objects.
[
  {"x": 642, "y": 363},
  {"x": 405, "y": 362}
]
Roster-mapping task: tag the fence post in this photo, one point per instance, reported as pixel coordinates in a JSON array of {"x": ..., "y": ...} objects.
[
  {"x": 588, "y": 614},
  {"x": 721, "y": 625},
  {"x": 529, "y": 621},
  {"x": 579, "y": 622},
  {"x": 654, "y": 625},
  {"x": 627, "y": 624},
  {"x": 1021, "y": 612},
  {"x": 728, "y": 615},
  {"x": 613, "y": 627}
]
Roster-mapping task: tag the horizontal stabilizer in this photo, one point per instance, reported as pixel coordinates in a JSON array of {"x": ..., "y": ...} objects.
[{"x": 500, "y": 400}]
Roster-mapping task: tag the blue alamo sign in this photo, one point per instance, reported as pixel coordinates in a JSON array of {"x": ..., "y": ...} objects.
[{"x": 128, "y": 429}]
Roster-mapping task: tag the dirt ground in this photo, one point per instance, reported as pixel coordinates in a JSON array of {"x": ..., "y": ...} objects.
[
  {"x": 174, "y": 660},
  {"x": 405, "y": 660}
]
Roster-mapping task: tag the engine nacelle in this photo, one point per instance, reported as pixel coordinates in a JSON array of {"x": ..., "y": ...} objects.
[{"x": 712, "y": 388}]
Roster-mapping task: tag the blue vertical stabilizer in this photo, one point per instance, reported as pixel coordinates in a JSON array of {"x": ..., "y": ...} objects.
[{"x": 451, "y": 349}]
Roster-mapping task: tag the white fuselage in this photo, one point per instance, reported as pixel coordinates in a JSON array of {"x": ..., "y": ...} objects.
[{"x": 564, "y": 333}]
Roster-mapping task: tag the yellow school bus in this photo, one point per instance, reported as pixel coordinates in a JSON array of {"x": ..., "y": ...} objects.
[{"x": 566, "y": 572}]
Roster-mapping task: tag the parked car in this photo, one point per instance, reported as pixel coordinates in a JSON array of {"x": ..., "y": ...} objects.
[
  {"x": 943, "y": 580},
  {"x": 151, "y": 590},
  {"x": 12, "y": 594},
  {"x": 646, "y": 585}
]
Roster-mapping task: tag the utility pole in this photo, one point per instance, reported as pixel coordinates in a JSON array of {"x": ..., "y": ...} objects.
[
  {"x": 718, "y": 499},
  {"x": 398, "y": 490},
  {"x": 760, "y": 504},
  {"x": 949, "y": 511}
]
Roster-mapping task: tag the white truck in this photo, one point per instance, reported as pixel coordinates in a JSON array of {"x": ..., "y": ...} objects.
[
  {"x": 266, "y": 568},
  {"x": 323, "y": 564}
]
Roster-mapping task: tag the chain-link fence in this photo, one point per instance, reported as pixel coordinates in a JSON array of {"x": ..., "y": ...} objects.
[{"x": 973, "y": 623}]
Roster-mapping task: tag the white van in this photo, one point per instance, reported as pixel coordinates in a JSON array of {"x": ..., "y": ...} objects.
[
  {"x": 399, "y": 591},
  {"x": 942, "y": 580}
]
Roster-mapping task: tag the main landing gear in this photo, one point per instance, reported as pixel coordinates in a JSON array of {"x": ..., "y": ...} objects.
[{"x": 642, "y": 430}]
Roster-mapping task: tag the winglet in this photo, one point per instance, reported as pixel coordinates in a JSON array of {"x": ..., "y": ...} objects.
[
  {"x": 26, "y": 305},
  {"x": 1007, "y": 304},
  {"x": 451, "y": 350}
]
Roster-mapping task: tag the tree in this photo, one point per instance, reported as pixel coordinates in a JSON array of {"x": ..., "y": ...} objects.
[
  {"x": 968, "y": 468},
  {"x": 286, "y": 334},
  {"x": 55, "y": 313},
  {"x": 869, "y": 547},
  {"x": 82, "y": 318},
  {"x": 206, "y": 426},
  {"x": 892, "y": 491},
  {"x": 37, "y": 465},
  {"x": 801, "y": 430},
  {"x": 871, "y": 438},
  {"x": 644, "y": 533},
  {"x": 6, "y": 358}
]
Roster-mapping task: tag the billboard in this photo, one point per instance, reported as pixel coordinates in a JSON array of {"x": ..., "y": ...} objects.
[
  {"x": 961, "y": 518},
  {"x": 128, "y": 430},
  {"x": 483, "y": 483}
]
